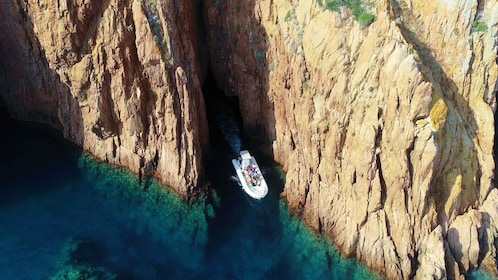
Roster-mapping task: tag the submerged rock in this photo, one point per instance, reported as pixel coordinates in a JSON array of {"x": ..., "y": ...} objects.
[
  {"x": 82, "y": 259},
  {"x": 385, "y": 128},
  {"x": 83, "y": 273}
]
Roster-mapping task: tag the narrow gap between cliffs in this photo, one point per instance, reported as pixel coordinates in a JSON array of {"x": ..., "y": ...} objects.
[
  {"x": 224, "y": 124},
  {"x": 226, "y": 138},
  {"x": 229, "y": 203},
  {"x": 223, "y": 117}
]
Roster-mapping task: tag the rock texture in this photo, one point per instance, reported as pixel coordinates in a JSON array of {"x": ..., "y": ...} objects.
[
  {"x": 119, "y": 78},
  {"x": 386, "y": 131}
]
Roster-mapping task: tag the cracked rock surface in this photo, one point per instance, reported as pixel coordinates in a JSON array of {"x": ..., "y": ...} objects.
[{"x": 385, "y": 131}]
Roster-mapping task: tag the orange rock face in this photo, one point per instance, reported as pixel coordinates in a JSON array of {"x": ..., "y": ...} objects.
[
  {"x": 119, "y": 78},
  {"x": 385, "y": 130}
]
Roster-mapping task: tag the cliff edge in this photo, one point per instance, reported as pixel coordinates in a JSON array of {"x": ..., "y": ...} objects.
[
  {"x": 381, "y": 112},
  {"x": 382, "y": 116},
  {"x": 120, "y": 79}
]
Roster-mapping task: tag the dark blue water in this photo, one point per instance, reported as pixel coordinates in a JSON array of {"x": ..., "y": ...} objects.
[{"x": 64, "y": 215}]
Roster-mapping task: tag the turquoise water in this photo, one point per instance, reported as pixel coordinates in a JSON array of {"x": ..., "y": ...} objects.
[{"x": 64, "y": 215}]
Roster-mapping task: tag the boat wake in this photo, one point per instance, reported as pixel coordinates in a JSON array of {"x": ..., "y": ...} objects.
[
  {"x": 230, "y": 130},
  {"x": 234, "y": 178},
  {"x": 222, "y": 112}
]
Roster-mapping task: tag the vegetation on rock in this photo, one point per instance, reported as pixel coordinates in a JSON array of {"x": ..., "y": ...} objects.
[
  {"x": 359, "y": 9},
  {"x": 479, "y": 26}
]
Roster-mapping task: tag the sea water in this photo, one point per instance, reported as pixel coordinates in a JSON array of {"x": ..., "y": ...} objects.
[{"x": 64, "y": 215}]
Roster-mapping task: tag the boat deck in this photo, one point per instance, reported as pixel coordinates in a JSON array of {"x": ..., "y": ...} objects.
[{"x": 250, "y": 175}]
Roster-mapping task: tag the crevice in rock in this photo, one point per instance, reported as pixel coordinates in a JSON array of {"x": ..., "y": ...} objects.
[
  {"x": 396, "y": 254},
  {"x": 486, "y": 223},
  {"x": 86, "y": 26},
  {"x": 306, "y": 196},
  {"x": 144, "y": 101},
  {"x": 178, "y": 127},
  {"x": 413, "y": 262},
  {"x": 449, "y": 262},
  {"x": 223, "y": 114},
  {"x": 425, "y": 54},
  {"x": 151, "y": 166},
  {"x": 495, "y": 145},
  {"x": 480, "y": 7},
  {"x": 108, "y": 122},
  {"x": 383, "y": 187},
  {"x": 407, "y": 197},
  {"x": 147, "y": 96},
  {"x": 114, "y": 147},
  {"x": 410, "y": 171},
  {"x": 292, "y": 143}
]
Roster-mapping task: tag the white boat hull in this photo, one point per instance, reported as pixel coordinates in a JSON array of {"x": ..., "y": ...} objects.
[{"x": 254, "y": 188}]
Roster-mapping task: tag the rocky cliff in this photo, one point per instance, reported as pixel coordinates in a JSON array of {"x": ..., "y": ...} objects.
[
  {"x": 385, "y": 128},
  {"x": 119, "y": 78}
]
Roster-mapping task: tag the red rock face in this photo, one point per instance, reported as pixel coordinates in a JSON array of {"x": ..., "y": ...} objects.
[
  {"x": 383, "y": 137},
  {"x": 385, "y": 131},
  {"x": 119, "y": 78}
]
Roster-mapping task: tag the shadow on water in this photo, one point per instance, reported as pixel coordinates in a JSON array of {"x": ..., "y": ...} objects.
[
  {"x": 224, "y": 118},
  {"x": 31, "y": 90},
  {"x": 244, "y": 120},
  {"x": 71, "y": 215},
  {"x": 26, "y": 143},
  {"x": 238, "y": 218}
]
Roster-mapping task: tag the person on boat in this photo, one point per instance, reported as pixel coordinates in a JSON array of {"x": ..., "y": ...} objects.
[{"x": 255, "y": 179}]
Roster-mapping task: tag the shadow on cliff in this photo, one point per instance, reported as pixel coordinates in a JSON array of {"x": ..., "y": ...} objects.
[
  {"x": 237, "y": 218},
  {"x": 238, "y": 45},
  {"x": 464, "y": 122},
  {"x": 463, "y": 111},
  {"x": 495, "y": 142},
  {"x": 30, "y": 90},
  {"x": 237, "y": 85}
]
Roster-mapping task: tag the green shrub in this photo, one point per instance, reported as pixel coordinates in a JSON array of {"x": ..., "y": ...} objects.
[
  {"x": 305, "y": 86},
  {"x": 479, "y": 26},
  {"x": 287, "y": 16},
  {"x": 333, "y": 5},
  {"x": 358, "y": 9},
  {"x": 365, "y": 19}
]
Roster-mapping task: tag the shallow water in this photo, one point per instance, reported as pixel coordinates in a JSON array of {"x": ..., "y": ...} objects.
[{"x": 64, "y": 215}]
